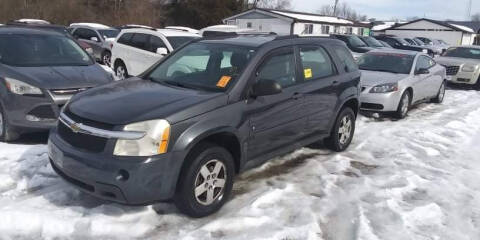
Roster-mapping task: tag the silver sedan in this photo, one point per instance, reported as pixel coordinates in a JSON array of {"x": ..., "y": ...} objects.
[{"x": 394, "y": 80}]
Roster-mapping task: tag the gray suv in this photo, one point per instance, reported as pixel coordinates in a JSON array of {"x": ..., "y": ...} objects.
[
  {"x": 98, "y": 36},
  {"x": 183, "y": 129},
  {"x": 39, "y": 71}
]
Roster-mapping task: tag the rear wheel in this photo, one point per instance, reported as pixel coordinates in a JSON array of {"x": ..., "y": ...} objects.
[
  {"x": 342, "y": 133},
  {"x": 206, "y": 182},
  {"x": 440, "y": 94},
  {"x": 7, "y": 133},
  {"x": 403, "y": 105},
  {"x": 121, "y": 70}
]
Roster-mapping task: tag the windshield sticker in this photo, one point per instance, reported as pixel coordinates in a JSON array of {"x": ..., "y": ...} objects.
[
  {"x": 308, "y": 72},
  {"x": 223, "y": 82}
]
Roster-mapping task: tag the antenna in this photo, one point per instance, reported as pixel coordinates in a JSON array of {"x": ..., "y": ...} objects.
[{"x": 469, "y": 10}]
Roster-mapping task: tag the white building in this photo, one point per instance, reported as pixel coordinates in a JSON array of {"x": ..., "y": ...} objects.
[
  {"x": 285, "y": 22},
  {"x": 453, "y": 34}
]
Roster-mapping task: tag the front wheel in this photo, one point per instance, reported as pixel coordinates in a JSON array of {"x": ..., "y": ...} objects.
[
  {"x": 403, "y": 106},
  {"x": 206, "y": 182},
  {"x": 121, "y": 71},
  {"x": 107, "y": 58},
  {"x": 7, "y": 134},
  {"x": 342, "y": 133},
  {"x": 440, "y": 94}
]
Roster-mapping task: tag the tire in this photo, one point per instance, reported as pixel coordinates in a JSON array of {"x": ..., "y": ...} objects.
[
  {"x": 121, "y": 70},
  {"x": 7, "y": 133},
  {"x": 343, "y": 130},
  {"x": 440, "y": 94},
  {"x": 403, "y": 105},
  {"x": 200, "y": 174},
  {"x": 476, "y": 86},
  {"x": 107, "y": 58}
]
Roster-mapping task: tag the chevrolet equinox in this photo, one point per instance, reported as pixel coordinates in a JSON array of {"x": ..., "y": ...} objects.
[{"x": 211, "y": 109}]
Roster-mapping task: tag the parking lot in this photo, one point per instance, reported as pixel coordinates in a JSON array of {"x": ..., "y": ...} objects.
[{"x": 415, "y": 178}]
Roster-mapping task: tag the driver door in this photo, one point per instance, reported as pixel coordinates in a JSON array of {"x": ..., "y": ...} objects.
[
  {"x": 421, "y": 86},
  {"x": 278, "y": 120}
]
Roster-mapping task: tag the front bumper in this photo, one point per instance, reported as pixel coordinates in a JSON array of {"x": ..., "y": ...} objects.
[
  {"x": 469, "y": 78},
  {"x": 379, "y": 102},
  {"x": 126, "y": 180}
]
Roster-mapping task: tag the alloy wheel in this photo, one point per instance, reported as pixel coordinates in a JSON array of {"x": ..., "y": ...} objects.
[
  {"x": 210, "y": 182},
  {"x": 107, "y": 59},
  {"x": 405, "y": 104},
  {"x": 345, "y": 130},
  {"x": 441, "y": 94},
  {"x": 121, "y": 72}
]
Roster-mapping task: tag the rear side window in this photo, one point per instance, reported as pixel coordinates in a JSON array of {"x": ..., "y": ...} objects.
[
  {"x": 125, "y": 38},
  {"x": 85, "y": 34},
  {"x": 140, "y": 40},
  {"x": 279, "y": 67},
  {"x": 346, "y": 58},
  {"x": 316, "y": 62},
  {"x": 156, "y": 43}
]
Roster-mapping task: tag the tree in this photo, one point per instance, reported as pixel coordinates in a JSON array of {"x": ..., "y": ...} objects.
[
  {"x": 476, "y": 17},
  {"x": 273, "y": 4},
  {"x": 342, "y": 10}
]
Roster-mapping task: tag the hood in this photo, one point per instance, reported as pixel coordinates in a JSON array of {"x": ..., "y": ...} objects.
[
  {"x": 371, "y": 78},
  {"x": 136, "y": 100},
  {"x": 60, "y": 77},
  {"x": 454, "y": 61}
]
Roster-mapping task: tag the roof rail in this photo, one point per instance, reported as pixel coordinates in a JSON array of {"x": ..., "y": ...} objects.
[
  {"x": 133, "y": 26},
  {"x": 213, "y": 34},
  {"x": 283, "y": 37}
]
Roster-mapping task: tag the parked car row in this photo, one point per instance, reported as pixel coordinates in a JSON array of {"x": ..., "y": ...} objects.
[{"x": 197, "y": 111}]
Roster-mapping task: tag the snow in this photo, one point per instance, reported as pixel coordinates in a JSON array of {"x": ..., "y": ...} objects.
[
  {"x": 464, "y": 28},
  {"x": 92, "y": 25},
  {"x": 315, "y": 18},
  {"x": 381, "y": 27},
  {"x": 416, "y": 178}
]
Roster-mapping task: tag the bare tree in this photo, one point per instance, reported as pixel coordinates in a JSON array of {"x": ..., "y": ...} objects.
[
  {"x": 342, "y": 10},
  {"x": 273, "y": 4},
  {"x": 476, "y": 17}
]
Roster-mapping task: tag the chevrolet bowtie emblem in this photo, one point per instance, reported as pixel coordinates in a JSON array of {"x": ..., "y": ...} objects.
[{"x": 75, "y": 127}]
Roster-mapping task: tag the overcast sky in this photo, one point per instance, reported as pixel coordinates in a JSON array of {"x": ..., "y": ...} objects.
[{"x": 388, "y": 9}]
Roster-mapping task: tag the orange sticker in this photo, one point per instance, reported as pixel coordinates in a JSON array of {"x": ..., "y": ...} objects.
[{"x": 223, "y": 82}]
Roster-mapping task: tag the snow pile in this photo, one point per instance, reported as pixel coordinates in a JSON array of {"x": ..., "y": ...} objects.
[{"x": 416, "y": 178}]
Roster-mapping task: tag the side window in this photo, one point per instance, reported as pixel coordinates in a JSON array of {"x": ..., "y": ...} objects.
[
  {"x": 85, "y": 34},
  {"x": 316, "y": 62},
  {"x": 279, "y": 67},
  {"x": 125, "y": 38},
  {"x": 139, "y": 40},
  {"x": 155, "y": 43},
  {"x": 347, "y": 58},
  {"x": 390, "y": 41},
  {"x": 424, "y": 62}
]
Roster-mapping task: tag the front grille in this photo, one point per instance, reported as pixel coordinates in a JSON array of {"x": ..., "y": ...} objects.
[
  {"x": 83, "y": 141},
  {"x": 452, "y": 70},
  {"x": 371, "y": 106},
  {"x": 43, "y": 112},
  {"x": 70, "y": 91}
]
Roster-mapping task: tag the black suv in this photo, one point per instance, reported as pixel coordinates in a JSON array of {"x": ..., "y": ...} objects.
[
  {"x": 400, "y": 43},
  {"x": 211, "y": 109},
  {"x": 354, "y": 43}
]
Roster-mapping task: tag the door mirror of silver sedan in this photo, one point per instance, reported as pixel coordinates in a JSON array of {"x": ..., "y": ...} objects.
[
  {"x": 422, "y": 71},
  {"x": 162, "y": 51},
  {"x": 95, "y": 39}
]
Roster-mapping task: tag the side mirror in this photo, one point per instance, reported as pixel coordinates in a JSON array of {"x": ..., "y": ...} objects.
[
  {"x": 422, "y": 71},
  {"x": 265, "y": 87},
  {"x": 162, "y": 51},
  {"x": 95, "y": 39}
]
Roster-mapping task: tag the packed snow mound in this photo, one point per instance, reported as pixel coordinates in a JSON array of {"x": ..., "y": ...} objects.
[{"x": 416, "y": 178}]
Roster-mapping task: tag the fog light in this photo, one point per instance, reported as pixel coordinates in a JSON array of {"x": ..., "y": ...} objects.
[
  {"x": 122, "y": 176},
  {"x": 33, "y": 118}
]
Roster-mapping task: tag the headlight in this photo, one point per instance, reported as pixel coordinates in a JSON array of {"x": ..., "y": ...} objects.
[
  {"x": 21, "y": 88},
  {"x": 425, "y": 51},
  {"x": 155, "y": 141},
  {"x": 384, "y": 88},
  {"x": 469, "y": 68}
]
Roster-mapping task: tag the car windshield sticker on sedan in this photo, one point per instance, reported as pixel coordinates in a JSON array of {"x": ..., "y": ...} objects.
[
  {"x": 223, "y": 82},
  {"x": 308, "y": 73}
]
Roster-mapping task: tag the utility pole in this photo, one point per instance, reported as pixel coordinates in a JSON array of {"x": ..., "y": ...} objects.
[{"x": 469, "y": 10}]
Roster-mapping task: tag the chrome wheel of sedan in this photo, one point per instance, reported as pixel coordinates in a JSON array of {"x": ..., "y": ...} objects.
[
  {"x": 405, "y": 103},
  {"x": 345, "y": 130},
  {"x": 210, "y": 182}
]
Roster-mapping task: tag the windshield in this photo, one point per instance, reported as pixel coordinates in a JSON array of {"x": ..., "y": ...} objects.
[
  {"x": 372, "y": 42},
  {"x": 402, "y": 41},
  {"x": 386, "y": 62},
  {"x": 211, "y": 67},
  {"x": 177, "y": 42},
  {"x": 25, "y": 50},
  {"x": 462, "y": 52},
  {"x": 418, "y": 41},
  {"x": 355, "y": 41},
  {"x": 111, "y": 33}
]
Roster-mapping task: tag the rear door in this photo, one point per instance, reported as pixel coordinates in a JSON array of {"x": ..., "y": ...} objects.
[
  {"x": 279, "y": 120},
  {"x": 320, "y": 80},
  {"x": 151, "y": 57}
]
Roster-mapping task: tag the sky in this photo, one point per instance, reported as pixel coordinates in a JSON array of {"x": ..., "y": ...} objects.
[{"x": 399, "y": 9}]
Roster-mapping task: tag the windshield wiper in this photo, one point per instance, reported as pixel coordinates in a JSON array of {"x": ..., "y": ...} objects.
[{"x": 379, "y": 70}]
